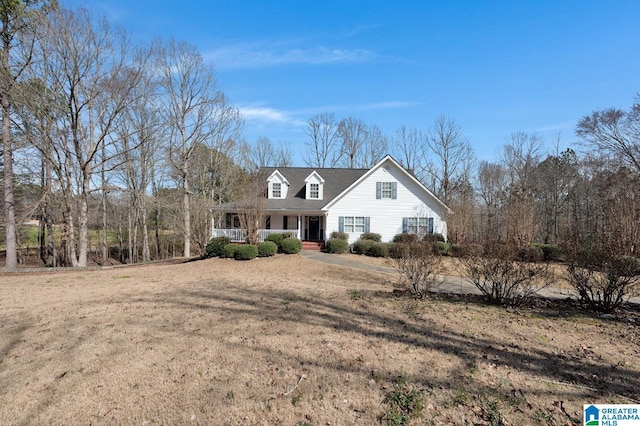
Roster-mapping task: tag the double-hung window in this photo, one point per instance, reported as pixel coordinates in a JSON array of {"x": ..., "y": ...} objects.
[
  {"x": 314, "y": 191},
  {"x": 417, "y": 225},
  {"x": 276, "y": 190},
  {"x": 354, "y": 224},
  {"x": 386, "y": 190}
]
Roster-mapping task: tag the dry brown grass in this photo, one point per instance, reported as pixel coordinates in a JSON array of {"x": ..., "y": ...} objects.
[{"x": 226, "y": 342}]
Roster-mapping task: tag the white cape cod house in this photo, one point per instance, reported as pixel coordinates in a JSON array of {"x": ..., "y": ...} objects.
[{"x": 313, "y": 202}]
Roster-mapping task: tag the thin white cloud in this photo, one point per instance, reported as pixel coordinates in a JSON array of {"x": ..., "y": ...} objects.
[
  {"x": 269, "y": 115},
  {"x": 260, "y": 113},
  {"x": 257, "y": 56}
]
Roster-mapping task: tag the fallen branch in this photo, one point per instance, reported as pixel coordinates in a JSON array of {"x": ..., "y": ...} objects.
[{"x": 294, "y": 388}]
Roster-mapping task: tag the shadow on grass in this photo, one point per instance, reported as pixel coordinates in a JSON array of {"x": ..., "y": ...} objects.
[{"x": 571, "y": 368}]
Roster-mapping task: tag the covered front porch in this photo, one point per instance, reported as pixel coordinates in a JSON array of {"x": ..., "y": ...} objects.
[{"x": 306, "y": 226}]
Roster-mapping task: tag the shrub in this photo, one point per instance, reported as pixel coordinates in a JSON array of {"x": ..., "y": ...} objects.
[
  {"x": 291, "y": 246},
  {"x": 530, "y": 254},
  {"x": 339, "y": 235},
  {"x": 275, "y": 238},
  {"x": 379, "y": 250},
  {"x": 406, "y": 238},
  {"x": 229, "y": 251},
  {"x": 418, "y": 265},
  {"x": 246, "y": 252},
  {"x": 550, "y": 252},
  {"x": 503, "y": 278},
  {"x": 337, "y": 245},
  {"x": 603, "y": 280},
  {"x": 267, "y": 248},
  {"x": 464, "y": 251},
  {"x": 371, "y": 236},
  {"x": 442, "y": 247},
  {"x": 434, "y": 238},
  {"x": 215, "y": 245},
  {"x": 362, "y": 246},
  {"x": 396, "y": 250}
]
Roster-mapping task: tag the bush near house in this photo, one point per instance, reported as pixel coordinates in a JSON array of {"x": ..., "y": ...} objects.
[
  {"x": 215, "y": 245},
  {"x": 337, "y": 245},
  {"x": 362, "y": 246},
  {"x": 291, "y": 246},
  {"x": 267, "y": 248},
  {"x": 379, "y": 249},
  {"x": 406, "y": 238},
  {"x": 443, "y": 247},
  {"x": 339, "y": 235},
  {"x": 246, "y": 252},
  {"x": 275, "y": 238},
  {"x": 229, "y": 251},
  {"x": 371, "y": 236},
  {"x": 433, "y": 238}
]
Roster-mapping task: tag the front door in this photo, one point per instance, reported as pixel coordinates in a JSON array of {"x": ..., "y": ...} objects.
[{"x": 314, "y": 228}]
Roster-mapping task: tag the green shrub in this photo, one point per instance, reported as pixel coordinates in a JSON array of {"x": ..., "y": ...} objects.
[
  {"x": 229, "y": 251},
  {"x": 397, "y": 250},
  {"x": 215, "y": 245},
  {"x": 337, "y": 245},
  {"x": 339, "y": 235},
  {"x": 291, "y": 246},
  {"x": 434, "y": 238},
  {"x": 550, "y": 252},
  {"x": 463, "y": 251},
  {"x": 406, "y": 238},
  {"x": 443, "y": 247},
  {"x": 267, "y": 248},
  {"x": 275, "y": 238},
  {"x": 379, "y": 250},
  {"x": 246, "y": 252},
  {"x": 530, "y": 254},
  {"x": 362, "y": 246},
  {"x": 371, "y": 236}
]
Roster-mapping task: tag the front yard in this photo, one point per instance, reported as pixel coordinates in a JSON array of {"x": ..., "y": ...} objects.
[{"x": 290, "y": 341}]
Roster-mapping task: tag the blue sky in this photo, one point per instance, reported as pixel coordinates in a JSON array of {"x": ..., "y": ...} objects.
[{"x": 496, "y": 67}]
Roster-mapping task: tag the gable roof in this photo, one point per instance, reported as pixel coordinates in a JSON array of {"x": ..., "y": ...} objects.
[
  {"x": 335, "y": 182},
  {"x": 373, "y": 169}
]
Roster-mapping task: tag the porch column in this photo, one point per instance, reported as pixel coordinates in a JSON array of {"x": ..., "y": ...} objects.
[{"x": 299, "y": 227}]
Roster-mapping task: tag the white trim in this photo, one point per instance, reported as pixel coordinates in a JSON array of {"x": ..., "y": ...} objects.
[{"x": 371, "y": 170}]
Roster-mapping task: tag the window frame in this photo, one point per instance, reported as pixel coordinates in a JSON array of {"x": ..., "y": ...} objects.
[
  {"x": 274, "y": 190},
  {"x": 314, "y": 188}
]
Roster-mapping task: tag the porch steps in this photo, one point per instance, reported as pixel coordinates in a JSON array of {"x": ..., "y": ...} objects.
[{"x": 312, "y": 245}]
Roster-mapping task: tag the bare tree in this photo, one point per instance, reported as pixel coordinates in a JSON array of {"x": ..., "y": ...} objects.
[
  {"x": 375, "y": 147},
  {"x": 409, "y": 146},
  {"x": 492, "y": 188},
  {"x": 352, "y": 134},
  {"x": 451, "y": 158},
  {"x": 614, "y": 131},
  {"x": 17, "y": 36},
  {"x": 190, "y": 96},
  {"x": 322, "y": 150},
  {"x": 87, "y": 64},
  {"x": 251, "y": 205},
  {"x": 520, "y": 158}
]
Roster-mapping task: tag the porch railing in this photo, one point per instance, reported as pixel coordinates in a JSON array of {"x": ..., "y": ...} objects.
[{"x": 238, "y": 235}]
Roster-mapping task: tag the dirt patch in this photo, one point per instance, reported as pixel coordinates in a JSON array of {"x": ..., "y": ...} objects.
[{"x": 286, "y": 341}]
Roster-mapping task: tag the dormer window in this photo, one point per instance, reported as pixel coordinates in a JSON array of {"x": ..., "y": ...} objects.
[
  {"x": 278, "y": 186},
  {"x": 314, "y": 186},
  {"x": 276, "y": 190},
  {"x": 314, "y": 191}
]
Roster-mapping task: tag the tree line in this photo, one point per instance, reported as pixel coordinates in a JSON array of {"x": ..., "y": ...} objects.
[{"x": 120, "y": 150}]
